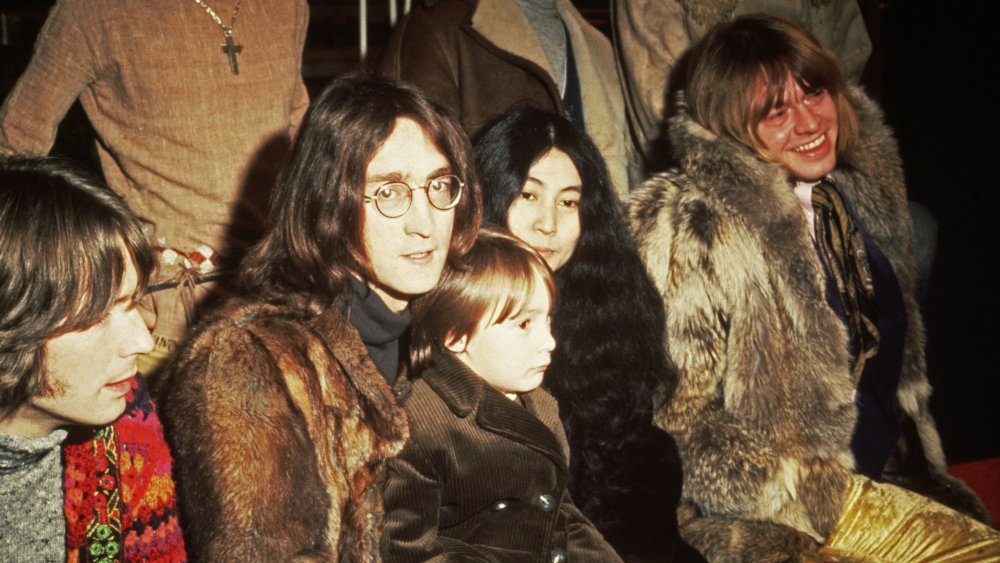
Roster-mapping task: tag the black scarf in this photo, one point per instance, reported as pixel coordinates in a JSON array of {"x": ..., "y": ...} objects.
[{"x": 380, "y": 328}]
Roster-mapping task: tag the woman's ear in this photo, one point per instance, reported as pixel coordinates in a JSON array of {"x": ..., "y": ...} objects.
[{"x": 456, "y": 345}]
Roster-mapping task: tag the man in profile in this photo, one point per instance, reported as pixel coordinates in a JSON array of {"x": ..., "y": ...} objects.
[{"x": 84, "y": 469}]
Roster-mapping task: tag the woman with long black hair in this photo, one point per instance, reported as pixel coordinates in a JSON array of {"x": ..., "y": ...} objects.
[{"x": 545, "y": 180}]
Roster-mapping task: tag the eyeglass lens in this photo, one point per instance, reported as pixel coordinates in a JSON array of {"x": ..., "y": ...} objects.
[{"x": 393, "y": 199}]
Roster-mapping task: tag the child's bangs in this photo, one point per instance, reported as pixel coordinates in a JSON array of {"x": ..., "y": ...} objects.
[{"x": 510, "y": 294}]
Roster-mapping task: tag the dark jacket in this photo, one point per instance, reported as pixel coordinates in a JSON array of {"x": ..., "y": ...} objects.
[
  {"x": 281, "y": 427},
  {"x": 483, "y": 477},
  {"x": 479, "y": 57},
  {"x": 765, "y": 407}
]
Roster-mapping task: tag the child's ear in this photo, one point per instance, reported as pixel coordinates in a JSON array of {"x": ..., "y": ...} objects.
[{"x": 456, "y": 345}]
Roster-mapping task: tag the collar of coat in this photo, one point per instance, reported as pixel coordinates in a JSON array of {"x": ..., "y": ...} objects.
[
  {"x": 872, "y": 180},
  {"x": 503, "y": 24},
  {"x": 350, "y": 352},
  {"x": 501, "y": 27},
  {"x": 466, "y": 393},
  {"x": 295, "y": 339},
  {"x": 734, "y": 177}
]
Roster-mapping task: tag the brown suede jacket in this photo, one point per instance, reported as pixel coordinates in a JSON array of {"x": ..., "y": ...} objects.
[{"x": 479, "y": 57}]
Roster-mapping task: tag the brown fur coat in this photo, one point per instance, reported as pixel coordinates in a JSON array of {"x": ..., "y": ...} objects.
[
  {"x": 281, "y": 427},
  {"x": 764, "y": 410}
]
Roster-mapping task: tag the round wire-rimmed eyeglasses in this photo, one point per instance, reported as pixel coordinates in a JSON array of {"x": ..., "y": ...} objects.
[{"x": 394, "y": 198}]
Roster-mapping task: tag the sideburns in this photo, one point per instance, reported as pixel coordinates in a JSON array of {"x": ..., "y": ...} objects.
[{"x": 51, "y": 388}]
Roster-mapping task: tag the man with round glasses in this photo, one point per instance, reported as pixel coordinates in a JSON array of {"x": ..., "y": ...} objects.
[{"x": 281, "y": 406}]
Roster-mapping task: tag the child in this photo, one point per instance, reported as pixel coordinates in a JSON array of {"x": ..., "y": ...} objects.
[{"x": 484, "y": 475}]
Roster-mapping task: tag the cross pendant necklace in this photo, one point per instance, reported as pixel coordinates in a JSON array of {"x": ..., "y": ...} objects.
[{"x": 231, "y": 48}]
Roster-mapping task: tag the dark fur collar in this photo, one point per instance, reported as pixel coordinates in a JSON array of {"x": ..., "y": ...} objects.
[{"x": 759, "y": 193}]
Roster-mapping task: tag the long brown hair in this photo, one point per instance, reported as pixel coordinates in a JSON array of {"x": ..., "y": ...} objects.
[
  {"x": 752, "y": 55},
  {"x": 495, "y": 281},
  {"x": 66, "y": 242},
  {"x": 314, "y": 235}
]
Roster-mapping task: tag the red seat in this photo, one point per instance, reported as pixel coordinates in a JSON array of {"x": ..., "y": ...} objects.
[{"x": 982, "y": 476}]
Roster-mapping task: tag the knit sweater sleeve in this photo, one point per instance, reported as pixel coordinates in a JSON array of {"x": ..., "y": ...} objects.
[
  {"x": 63, "y": 65},
  {"x": 31, "y": 498}
]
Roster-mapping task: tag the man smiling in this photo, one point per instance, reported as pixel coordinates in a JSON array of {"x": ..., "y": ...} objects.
[{"x": 84, "y": 469}]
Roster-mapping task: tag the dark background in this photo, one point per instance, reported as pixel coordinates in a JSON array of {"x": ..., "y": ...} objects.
[
  {"x": 934, "y": 71},
  {"x": 940, "y": 93}
]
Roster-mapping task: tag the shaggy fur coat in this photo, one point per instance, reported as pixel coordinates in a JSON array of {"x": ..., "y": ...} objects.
[
  {"x": 764, "y": 410},
  {"x": 282, "y": 427}
]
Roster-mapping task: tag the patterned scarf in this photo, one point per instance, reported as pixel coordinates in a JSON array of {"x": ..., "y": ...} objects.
[
  {"x": 119, "y": 494},
  {"x": 843, "y": 252}
]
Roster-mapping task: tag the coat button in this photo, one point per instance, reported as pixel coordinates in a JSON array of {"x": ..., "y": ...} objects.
[
  {"x": 545, "y": 503},
  {"x": 499, "y": 506},
  {"x": 558, "y": 555}
]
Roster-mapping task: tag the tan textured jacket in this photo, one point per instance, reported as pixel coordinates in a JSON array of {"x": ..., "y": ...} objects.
[
  {"x": 478, "y": 58},
  {"x": 190, "y": 146},
  {"x": 281, "y": 428}
]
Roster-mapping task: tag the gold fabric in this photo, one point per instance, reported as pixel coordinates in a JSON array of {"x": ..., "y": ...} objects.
[{"x": 886, "y": 524}]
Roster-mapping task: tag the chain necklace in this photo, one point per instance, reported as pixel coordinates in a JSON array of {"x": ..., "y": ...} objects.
[{"x": 230, "y": 48}]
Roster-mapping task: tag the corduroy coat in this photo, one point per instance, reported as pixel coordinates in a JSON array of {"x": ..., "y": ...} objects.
[
  {"x": 483, "y": 478},
  {"x": 281, "y": 427},
  {"x": 764, "y": 410},
  {"x": 479, "y": 57}
]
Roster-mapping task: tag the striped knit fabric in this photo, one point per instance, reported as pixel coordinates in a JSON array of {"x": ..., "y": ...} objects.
[{"x": 120, "y": 503}]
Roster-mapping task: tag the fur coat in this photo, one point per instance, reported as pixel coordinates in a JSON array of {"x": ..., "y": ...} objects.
[
  {"x": 483, "y": 478},
  {"x": 281, "y": 427},
  {"x": 764, "y": 410}
]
